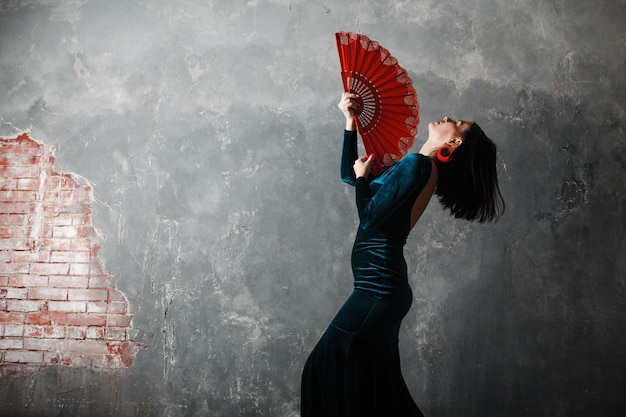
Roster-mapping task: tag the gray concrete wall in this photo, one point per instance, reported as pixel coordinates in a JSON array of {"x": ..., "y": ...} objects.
[{"x": 210, "y": 134}]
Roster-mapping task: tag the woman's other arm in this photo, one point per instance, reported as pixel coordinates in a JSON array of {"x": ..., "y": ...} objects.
[{"x": 349, "y": 153}]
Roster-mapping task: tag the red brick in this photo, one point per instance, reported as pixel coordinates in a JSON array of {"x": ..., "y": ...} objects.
[
  {"x": 28, "y": 184},
  {"x": 95, "y": 333},
  {"x": 80, "y": 243},
  {"x": 40, "y": 254},
  {"x": 33, "y": 331},
  {"x": 124, "y": 352},
  {"x": 83, "y": 202},
  {"x": 28, "y": 281},
  {"x": 7, "y": 232},
  {"x": 54, "y": 331},
  {"x": 54, "y": 208},
  {"x": 23, "y": 356},
  {"x": 14, "y": 196},
  {"x": 99, "y": 281},
  {"x": 20, "y": 144},
  {"x": 97, "y": 307},
  {"x": 30, "y": 159},
  {"x": 11, "y": 317},
  {"x": 13, "y": 330},
  {"x": 14, "y": 268},
  {"x": 17, "y": 208},
  {"x": 14, "y": 244},
  {"x": 57, "y": 244},
  {"x": 67, "y": 306},
  {"x": 47, "y": 294},
  {"x": 67, "y": 182},
  {"x": 76, "y": 332},
  {"x": 20, "y": 232},
  {"x": 79, "y": 269},
  {"x": 70, "y": 256},
  {"x": 84, "y": 359},
  {"x": 42, "y": 344},
  {"x": 119, "y": 320},
  {"x": 46, "y": 318},
  {"x": 117, "y": 307},
  {"x": 8, "y": 184},
  {"x": 46, "y": 254},
  {"x": 86, "y": 319},
  {"x": 71, "y": 195},
  {"x": 51, "y": 194},
  {"x": 11, "y": 343},
  {"x": 28, "y": 171},
  {"x": 60, "y": 220},
  {"x": 7, "y": 159},
  {"x": 30, "y": 256},
  {"x": 42, "y": 268},
  {"x": 82, "y": 220},
  {"x": 54, "y": 182},
  {"x": 85, "y": 347},
  {"x": 116, "y": 333},
  {"x": 119, "y": 361},
  {"x": 52, "y": 358},
  {"x": 66, "y": 232},
  {"x": 87, "y": 294},
  {"x": 24, "y": 305},
  {"x": 51, "y": 332},
  {"x": 18, "y": 293},
  {"x": 13, "y": 219},
  {"x": 67, "y": 281}
]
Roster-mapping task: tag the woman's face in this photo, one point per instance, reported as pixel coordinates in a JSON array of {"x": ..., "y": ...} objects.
[{"x": 448, "y": 131}]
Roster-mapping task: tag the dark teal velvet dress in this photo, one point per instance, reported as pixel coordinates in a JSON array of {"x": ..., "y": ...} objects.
[{"x": 354, "y": 370}]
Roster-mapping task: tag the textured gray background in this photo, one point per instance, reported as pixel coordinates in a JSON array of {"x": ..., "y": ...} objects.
[{"x": 210, "y": 133}]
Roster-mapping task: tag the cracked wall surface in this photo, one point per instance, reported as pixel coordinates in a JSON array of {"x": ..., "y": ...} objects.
[{"x": 210, "y": 137}]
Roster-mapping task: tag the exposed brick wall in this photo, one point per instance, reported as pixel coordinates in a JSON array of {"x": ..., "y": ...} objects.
[{"x": 57, "y": 305}]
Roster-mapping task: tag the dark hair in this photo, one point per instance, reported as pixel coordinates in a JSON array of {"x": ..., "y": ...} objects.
[{"x": 468, "y": 182}]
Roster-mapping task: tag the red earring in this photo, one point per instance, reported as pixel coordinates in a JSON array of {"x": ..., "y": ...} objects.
[{"x": 445, "y": 153}]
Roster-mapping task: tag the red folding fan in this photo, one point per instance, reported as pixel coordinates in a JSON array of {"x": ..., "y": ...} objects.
[{"x": 387, "y": 111}]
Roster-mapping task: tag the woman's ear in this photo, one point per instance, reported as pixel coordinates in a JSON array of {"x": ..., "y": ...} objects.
[{"x": 455, "y": 142}]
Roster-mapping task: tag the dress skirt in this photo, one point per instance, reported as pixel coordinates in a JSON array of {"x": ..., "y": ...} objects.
[{"x": 354, "y": 370}]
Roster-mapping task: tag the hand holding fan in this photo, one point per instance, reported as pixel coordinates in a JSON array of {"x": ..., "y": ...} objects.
[{"x": 388, "y": 111}]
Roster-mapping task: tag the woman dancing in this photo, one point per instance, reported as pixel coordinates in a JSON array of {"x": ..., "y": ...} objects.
[{"x": 354, "y": 370}]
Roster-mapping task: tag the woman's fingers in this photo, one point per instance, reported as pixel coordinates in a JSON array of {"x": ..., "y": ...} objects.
[
  {"x": 348, "y": 101},
  {"x": 362, "y": 166}
]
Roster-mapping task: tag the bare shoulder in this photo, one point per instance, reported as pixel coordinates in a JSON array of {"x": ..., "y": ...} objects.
[{"x": 423, "y": 198}]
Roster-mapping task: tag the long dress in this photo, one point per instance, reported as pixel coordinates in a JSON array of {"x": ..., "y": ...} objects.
[{"x": 354, "y": 370}]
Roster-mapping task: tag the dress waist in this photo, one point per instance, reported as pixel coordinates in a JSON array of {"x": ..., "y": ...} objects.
[{"x": 378, "y": 263}]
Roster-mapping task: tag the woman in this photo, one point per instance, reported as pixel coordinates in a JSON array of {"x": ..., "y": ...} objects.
[{"x": 354, "y": 370}]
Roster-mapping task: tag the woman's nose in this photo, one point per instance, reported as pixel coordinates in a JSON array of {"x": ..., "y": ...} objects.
[{"x": 446, "y": 119}]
